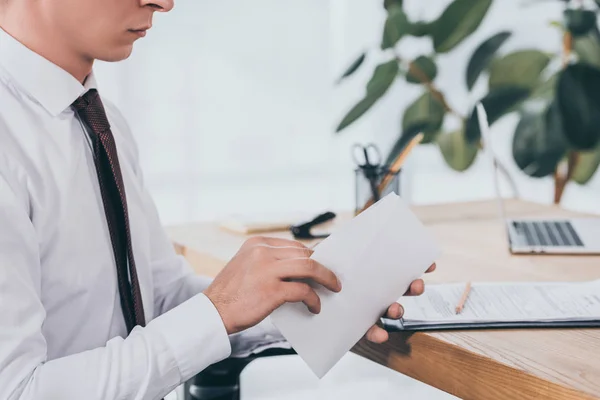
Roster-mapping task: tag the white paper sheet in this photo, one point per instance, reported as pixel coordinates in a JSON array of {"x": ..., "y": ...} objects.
[
  {"x": 376, "y": 255},
  {"x": 505, "y": 302}
]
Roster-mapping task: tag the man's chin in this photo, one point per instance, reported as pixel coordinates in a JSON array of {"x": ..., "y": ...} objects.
[{"x": 118, "y": 54}]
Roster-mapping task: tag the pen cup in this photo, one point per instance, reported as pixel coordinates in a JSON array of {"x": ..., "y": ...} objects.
[{"x": 371, "y": 184}]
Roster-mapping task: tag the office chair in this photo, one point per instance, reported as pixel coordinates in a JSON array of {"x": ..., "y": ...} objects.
[{"x": 221, "y": 381}]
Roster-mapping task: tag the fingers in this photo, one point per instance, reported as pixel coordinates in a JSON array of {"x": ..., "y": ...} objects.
[
  {"x": 306, "y": 268},
  {"x": 395, "y": 311},
  {"x": 432, "y": 268},
  {"x": 377, "y": 335},
  {"x": 271, "y": 241},
  {"x": 295, "y": 292},
  {"x": 287, "y": 252},
  {"x": 416, "y": 288}
]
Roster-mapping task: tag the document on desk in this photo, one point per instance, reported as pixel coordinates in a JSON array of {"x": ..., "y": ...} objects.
[
  {"x": 522, "y": 304},
  {"x": 376, "y": 255}
]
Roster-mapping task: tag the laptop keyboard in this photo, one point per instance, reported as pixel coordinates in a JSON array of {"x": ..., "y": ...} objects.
[{"x": 547, "y": 233}]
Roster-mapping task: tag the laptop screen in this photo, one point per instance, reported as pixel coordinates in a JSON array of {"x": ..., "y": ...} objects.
[
  {"x": 528, "y": 233},
  {"x": 488, "y": 148}
]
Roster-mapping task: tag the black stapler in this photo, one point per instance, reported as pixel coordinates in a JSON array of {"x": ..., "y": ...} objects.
[{"x": 303, "y": 231}]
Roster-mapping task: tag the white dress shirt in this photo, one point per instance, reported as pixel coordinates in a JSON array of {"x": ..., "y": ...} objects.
[{"x": 62, "y": 332}]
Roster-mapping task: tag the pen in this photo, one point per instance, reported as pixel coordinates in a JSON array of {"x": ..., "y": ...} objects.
[{"x": 463, "y": 299}]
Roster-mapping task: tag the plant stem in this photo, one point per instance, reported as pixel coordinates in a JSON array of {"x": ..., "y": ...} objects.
[
  {"x": 416, "y": 71},
  {"x": 560, "y": 181},
  {"x": 424, "y": 79},
  {"x": 567, "y": 47}
]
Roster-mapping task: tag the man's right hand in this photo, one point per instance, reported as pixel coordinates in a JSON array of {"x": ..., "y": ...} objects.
[{"x": 262, "y": 276}]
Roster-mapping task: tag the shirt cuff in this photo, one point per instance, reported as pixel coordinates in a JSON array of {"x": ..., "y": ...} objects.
[{"x": 195, "y": 333}]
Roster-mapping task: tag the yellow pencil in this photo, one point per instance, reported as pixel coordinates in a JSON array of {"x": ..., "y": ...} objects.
[{"x": 463, "y": 299}]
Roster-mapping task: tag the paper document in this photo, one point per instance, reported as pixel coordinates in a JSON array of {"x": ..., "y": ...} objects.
[
  {"x": 376, "y": 255},
  {"x": 504, "y": 302}
]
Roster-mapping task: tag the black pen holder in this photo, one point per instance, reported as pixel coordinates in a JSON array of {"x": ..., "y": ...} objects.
[{"x": 372, "y": 184}]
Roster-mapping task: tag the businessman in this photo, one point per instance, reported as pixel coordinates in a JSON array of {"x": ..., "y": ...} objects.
[{"x": 94, "y": 303}]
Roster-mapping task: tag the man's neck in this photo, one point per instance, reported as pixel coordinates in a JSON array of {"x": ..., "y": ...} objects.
[{"x": 21, "y": 23}]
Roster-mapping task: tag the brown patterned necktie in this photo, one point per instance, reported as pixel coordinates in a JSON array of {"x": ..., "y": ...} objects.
[{"x": 91, "y": 111}]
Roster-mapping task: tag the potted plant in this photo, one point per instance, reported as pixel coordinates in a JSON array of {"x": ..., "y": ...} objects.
[{"x": 556, "y": 95}]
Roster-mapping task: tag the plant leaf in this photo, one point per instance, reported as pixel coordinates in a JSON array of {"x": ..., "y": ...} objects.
[
  {"x": 459, "y": 20},
  {"x": 456, "y": 150},
  {"x": 496, "y": 103},
  {"x": 538, "y": 143},
  {"x": 587, "y": 166},
  {"x": 578, "y": 98},
  {"x": 420, "y": 29},
  {"x": 381, "y": 80},
  {"x": 427, "y": 68},
  {"x": 587, "y": 48},
  {"x": 357, "y": 111},
  {"x": 383, "y": 77},
  {"x": 579, "y": 21},
  {"x": 521, "y": 68},
  {"x": 426, "y": 114},
  {"x": 483, "y": 55},
  {"x": 547, "y": 89},
  {"x": 396, "y": 26},
  {"x": 354, "y": 66}
]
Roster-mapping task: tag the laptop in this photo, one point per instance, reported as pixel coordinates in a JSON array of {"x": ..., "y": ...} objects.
[{"x": 541, "y": 235}]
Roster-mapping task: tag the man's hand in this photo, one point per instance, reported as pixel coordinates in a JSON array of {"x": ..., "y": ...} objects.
[
  {"x": 262, "y": 276},
  {"x": 395, "y": 311}
]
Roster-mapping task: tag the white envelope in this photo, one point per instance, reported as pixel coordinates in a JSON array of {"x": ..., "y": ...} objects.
[{"x": 376, "y": 255}]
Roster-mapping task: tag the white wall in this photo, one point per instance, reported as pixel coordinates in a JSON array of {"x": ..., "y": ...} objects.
[{"x": 233, "y": 104}]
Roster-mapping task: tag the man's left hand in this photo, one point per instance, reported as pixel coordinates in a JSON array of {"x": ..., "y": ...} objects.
[{"x": 377, "y": 334}]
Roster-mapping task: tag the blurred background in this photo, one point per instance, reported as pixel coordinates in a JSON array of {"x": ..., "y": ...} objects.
[{"x": 235, "y": 105}]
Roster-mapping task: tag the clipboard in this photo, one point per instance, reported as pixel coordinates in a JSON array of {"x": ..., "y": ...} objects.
[
  {"x": 505, "y": 305},
  {"x": 398, "y": 325}
]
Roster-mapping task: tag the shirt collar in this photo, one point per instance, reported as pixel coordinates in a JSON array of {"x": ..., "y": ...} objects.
[{"x": 51, "y": 86}]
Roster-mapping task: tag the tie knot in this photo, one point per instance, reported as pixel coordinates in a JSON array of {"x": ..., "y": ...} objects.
[
  {"x": 89, "y": 98},
  {"x": 90, "y": 108}
]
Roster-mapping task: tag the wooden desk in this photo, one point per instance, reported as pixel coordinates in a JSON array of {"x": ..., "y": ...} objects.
[{"x": 492, "y": 364}]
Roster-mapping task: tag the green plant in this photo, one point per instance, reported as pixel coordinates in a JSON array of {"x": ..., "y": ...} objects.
[{"x": 556, "y": 95}]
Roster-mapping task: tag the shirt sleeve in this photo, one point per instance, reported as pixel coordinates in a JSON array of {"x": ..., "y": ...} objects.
[{"x": 148, "y": 364}]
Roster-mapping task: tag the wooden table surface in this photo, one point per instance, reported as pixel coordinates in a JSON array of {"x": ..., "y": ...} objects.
[{"x": 490, "y": 364}]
